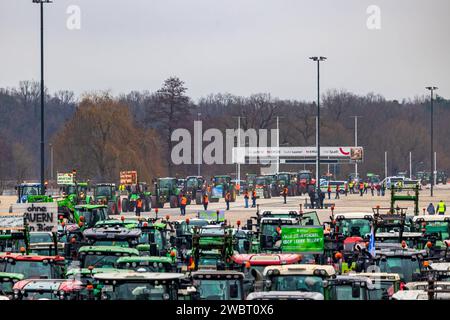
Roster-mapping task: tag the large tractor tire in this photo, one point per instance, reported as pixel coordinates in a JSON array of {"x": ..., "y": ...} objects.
[
  {"x": 173, "y": 201},
  {"x": 125, "y": 205},
  {"x": 198, "y": 197}
]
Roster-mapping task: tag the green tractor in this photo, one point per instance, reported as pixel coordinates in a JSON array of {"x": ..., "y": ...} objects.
[
  {"x": 140, "y": 190},
  {"x": 166, "y": 190},
  {"x": 106, "y": 193},
  {"x": 194, "y": 188},
  {"x": 77, "y": 193},
  {"x": 219, "y": 188}
]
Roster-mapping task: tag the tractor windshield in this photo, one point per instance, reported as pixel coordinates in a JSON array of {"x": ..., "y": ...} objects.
[
  {"x": 136, "y": 291},
  {"x": 219, "y": 289},
  {"x": 302, "y": 283},
  {"x": 6, "y": 287},
  {"x": 304, "y": 176},
  {"x": 103, "y": 191},
  {"x": 39, "y": 295},
  {"x": 354, "y": 227},
  {"x": 192, "y": 183},
  {"x": 72, "y": 189},
  {"x": 406, "y": 267},
  {"x": 31, "y": 190},
  {"x": 32, "y": 269},
  {"x": 283, "y": 179},
  {"x": 91, "y": 217},
  {"x": 100, "y": 260},
  {"x": 344, "y": 292},
  {"x": 167, "y": 183},
  {"x": 269, "y": 229},
  {"x": 40, "y": 237},
  {"x": 144, "y": 238},
  {"x": 221, "y": 180}
]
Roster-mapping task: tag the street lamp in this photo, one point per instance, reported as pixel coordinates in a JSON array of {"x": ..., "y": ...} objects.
[
  {"x": 41, "y": 2},
  {"x": 199, "y": 148},
  {"x": 318, "y": 60},
  {"x": 432, "y": 89}
]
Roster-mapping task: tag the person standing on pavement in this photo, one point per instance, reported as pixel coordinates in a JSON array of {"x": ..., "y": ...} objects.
[
  {"x": 441, "y": 208},
  {"x": 329, "y": 191},
  {"x": 372, "y": 189},
  {"x": 378, "y": 187},
  {"x": 321, "y": 198},
  {"x": 430, "y": 209},
  {"x": 183, "y": 203},
  {"x": 338, "y": 190},
  {"x": 246, "y": 197},
  {"x": 350, "y": 185},
  {"x": 361, "y": 188},
  {"x": 138, "y": 207},
  {"x": 205, "y": 201},
  {"x": 285, "y": 193},
  {"x": 312, "y": 196},
  {"x": 253, "y": 198},
  {"x": 228, "y": 199}
]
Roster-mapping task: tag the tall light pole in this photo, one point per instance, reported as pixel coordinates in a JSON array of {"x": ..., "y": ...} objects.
[
  {"x": 51, "y": 161},
  {"x": 318, "y": 60},
  {"x": 41, "y": 3},
  {"x": 432, "y": 89},
  {"x": 356, "y": 142},
  {"x": 199, "y": 148}
]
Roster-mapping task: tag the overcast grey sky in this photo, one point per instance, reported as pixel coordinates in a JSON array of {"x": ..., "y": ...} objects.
[{"x": 236, "y": 46}]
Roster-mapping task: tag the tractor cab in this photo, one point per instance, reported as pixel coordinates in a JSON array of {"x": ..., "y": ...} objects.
[
  {"x": 165, "y": 190},
  {"x": 87, "y": 215},
  {"x": 286, "y": 179},
  {"x": 384, "y": 284},
  {"x": 212, "y": 248},
  {"x": 106, "y": 194},
  {"x": 103, "y": 256},
  {"x": 194, "y": 188},
  {"x": 134, "y": 285},
  {"x": 350, "y": 288},
  {"x": 270, "y": 232},
  {"x": 219, "y": 285},
  {"x": 263, "y": 187},
  {"x": 296, "y": 277},
  {"x": 408, "y": 263},
  {"x": 353, "y": 224},
  {"x": 434, "y": 229},
  {"x": 25, "y": 190},
  {"x": 45, "y": 289},
  {"x": 33, "y": 266},
  {"x": 220, "y": 185}
]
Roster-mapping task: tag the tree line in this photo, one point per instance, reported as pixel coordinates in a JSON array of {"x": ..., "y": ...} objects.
[{"x": 99, "y": 134}]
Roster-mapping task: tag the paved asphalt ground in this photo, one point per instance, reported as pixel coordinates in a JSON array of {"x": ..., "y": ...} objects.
[{"x": 351, "y": 203}]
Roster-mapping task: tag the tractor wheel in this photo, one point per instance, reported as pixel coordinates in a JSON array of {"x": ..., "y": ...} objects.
[
  {"x": 173, "y": 201},
  {"x": 125, "y": 205},
  {"x": 198, "y": 197},
  {"x": 154, "y": 202}
]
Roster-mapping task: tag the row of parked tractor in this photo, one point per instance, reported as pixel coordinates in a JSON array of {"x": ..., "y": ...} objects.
[{"x": 277, "y": 254}]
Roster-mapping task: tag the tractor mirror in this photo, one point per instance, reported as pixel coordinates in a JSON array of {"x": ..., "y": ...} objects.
[
  {"x": 234, "y": 291},
  {"x": 356, "y": 293}
]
